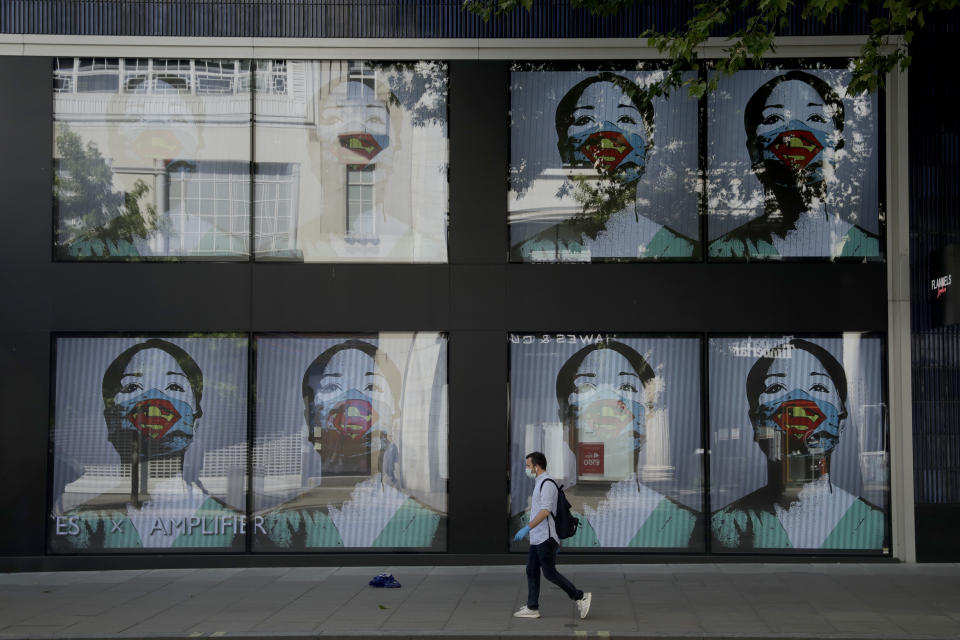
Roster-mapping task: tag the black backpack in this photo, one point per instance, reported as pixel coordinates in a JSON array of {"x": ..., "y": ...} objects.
[{"x": 564, "y": 521}]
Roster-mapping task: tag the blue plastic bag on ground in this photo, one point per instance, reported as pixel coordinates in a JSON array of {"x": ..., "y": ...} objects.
[{"x": 385, "y": 580}]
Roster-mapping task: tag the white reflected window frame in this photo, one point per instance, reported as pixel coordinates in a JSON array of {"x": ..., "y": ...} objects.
[
  {"x": 86, "y": 75},
  {"x": 209, "y": 200},
  {"x": 360, "y": 71},
  {"x": 157, "y": 76},
  {"x": 275, "y": 212},
  {"x": 361, "y": 202},
  {"x": 273, "y": 77}
]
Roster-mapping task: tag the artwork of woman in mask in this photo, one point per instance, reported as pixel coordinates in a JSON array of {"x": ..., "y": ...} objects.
[
  {"x": 606, "y": 394},
  {"x": 794, "y": 126},
  {"x": 351, "y": 407},
  {"x": 151, "y": 405},
  {"x": 797, "y": 396},
  {"x": 604, "y": 128}
]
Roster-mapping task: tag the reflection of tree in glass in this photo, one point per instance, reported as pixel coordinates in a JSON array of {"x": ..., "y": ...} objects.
[
  {"x": 599, "y": 200},
  {"x": 798, "y": 137},
  {"x": 419, "y": 88},
  {"x": 94, "y": 219}
]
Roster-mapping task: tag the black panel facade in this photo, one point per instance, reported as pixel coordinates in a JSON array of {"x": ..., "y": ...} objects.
[
  {"x": 366, "y": 19},
  {"x": 934, "y": 192},
  {"x": 478, "y": 299}
]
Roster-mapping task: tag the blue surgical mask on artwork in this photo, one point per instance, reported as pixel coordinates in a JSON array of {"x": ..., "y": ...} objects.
[
  {"x": 611, "y": 150},
  {"x": 609, "y": 412},
  {"x": 796, "y": 146},
  {"x": 803, "y": 418},
  {"x": 351, "y": 413},
  {"x": 166, "y": 424}
]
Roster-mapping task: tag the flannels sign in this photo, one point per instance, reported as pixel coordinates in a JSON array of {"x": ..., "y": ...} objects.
[
  {"x": 944, "y": 303},
  {"x": 940, "y": 284}
]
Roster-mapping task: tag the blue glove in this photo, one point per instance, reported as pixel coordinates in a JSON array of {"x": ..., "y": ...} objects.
[{"x": 521, "y": 534}]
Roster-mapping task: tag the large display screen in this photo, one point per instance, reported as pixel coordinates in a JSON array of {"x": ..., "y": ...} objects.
[
  {"x": 799, "y": 443},
  {"x": 350, "y": 447},
  {"x": 793, "y": 167},
  {"x": 601, "y": 168},
  {"x": 149, "y": 444},
  {"x": 618, "y": 419}
]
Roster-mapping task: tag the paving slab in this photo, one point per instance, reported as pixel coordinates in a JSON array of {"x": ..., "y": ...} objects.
[{"x": 710, "y": 601}]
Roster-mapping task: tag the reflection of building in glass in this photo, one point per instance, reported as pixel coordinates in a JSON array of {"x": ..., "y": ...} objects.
[
  {"x": 345, "y": 167},
  {"x": 175, "y": 135},
  {"x": 369, "y": 143}
]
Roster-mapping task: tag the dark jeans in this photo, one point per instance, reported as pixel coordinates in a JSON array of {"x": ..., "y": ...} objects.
[{"x": 543, "y": 557}]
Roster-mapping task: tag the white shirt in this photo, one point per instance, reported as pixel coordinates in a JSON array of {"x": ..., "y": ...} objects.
[{"x": 543, "y": 499}]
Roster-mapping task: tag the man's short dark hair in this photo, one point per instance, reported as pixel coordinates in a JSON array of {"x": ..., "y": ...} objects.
[
  {"x": 753, "y": 112},
  {"x": 567, "y": 105},
  {"x": 568, "y": 371},
  {"x": 758, "y": 373},
  {"x": 319, "y": 365},
  {"x": 111, "y": 384},
  {"x": 538, "y": 459}
]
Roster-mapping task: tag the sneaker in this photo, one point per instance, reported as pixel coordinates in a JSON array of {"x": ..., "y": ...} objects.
[
  {"x": 527, "y": 613},
  {"x": 583, "y": 604}
]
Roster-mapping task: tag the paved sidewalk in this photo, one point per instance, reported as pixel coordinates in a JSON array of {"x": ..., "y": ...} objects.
[{"x": 629, "y": 601}]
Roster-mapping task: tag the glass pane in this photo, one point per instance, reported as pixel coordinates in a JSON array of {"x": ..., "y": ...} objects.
[
  {"x": 135, "y": 469},
  {"x": 617, "y": 418},
  {"x": 793, "y": 167},
  {"x": 600, "y": 169},
  {"x": 383, "y": 124},
  {"x": 799, "y": 444},
  {"x": 147, "y": 158},
  {"x": 350, "y": 448}
]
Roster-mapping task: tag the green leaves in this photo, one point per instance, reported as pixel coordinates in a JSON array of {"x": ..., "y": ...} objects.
[
  {"x": 89, "y": 209},
  {"x": 764, "y": 19}
]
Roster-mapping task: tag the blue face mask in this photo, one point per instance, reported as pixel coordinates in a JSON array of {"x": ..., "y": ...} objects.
[
  {"x": 611, "y": 150},
  {"x": 608, "y": 412},
  {"x": 165, "y": 423},
  {"x": 350, "y": 413},
  {"x": 796, "y": 146},
  {"x": 811, "y": 423}
]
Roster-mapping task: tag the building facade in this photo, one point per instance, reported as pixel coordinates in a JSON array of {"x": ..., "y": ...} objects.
[{"x": 304, "y": 282}]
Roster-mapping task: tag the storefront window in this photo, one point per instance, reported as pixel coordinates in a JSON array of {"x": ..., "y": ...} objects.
[
  {"x": 369, "y": 140},
  {"x": 618, "y": 419},
  {"x": 149, "y": 444},
  {"x": 793, "y": 166},
  {"x": 799, "y": 444},
  {"x": 601, "y": 169},
  {"x": 150, "y": 156},
  {"x": 350, "y": 450}
]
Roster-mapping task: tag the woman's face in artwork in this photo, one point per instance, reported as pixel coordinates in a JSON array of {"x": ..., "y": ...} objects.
[{"x": 607, "y": 131}]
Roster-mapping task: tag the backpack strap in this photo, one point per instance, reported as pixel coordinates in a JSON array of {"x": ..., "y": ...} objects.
[{"x": 552, "y": 515}]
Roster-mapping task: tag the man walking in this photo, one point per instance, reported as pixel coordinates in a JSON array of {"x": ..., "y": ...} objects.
[{"x": 544, "y": 542}]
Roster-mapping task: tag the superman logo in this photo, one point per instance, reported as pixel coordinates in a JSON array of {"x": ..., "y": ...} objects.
[
  {"x": 363, "y": 144},
  {"x": 154, "y": 417},
  {"x": 353, "y": 418},
  {"x": 799, "y": 418},
  {"x": 606, "y": 149},
  {"x": 610, "y": 414},
  {"x": 796, "y": 148}
]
